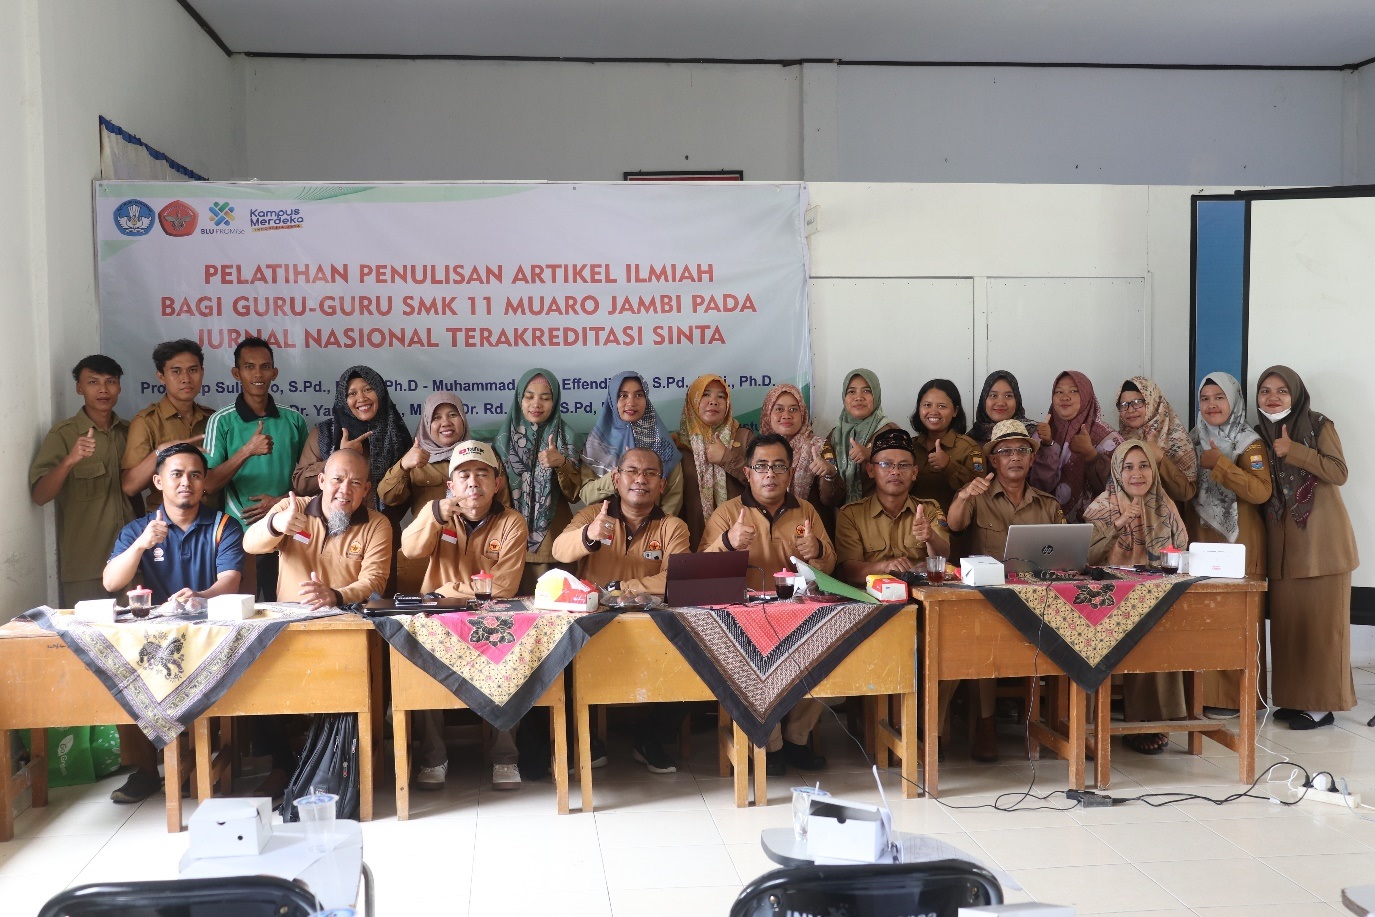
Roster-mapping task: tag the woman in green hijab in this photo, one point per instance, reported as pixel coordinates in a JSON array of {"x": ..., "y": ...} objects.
[{"x": 861, "y": 419}]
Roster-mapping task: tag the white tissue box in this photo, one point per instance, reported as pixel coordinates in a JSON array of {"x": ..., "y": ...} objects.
[
  {"x": 1220, "y": 559},
  {"x": 96, "y": 611},
  {"x": 838, "y": 829},
  {"x": 229, "y": 827},
  {"x": 229, "y": 607},
  {"x": 982, "y": 570}
]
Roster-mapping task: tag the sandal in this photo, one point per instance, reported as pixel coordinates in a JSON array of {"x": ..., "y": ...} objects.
[{"x": 1147, "y": 743}]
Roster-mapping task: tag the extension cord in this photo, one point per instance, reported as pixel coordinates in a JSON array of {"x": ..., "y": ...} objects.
[{"x": 1329, "y": 797}]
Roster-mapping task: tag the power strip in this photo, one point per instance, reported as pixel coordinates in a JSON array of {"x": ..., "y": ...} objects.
[{"x": 1328, "y": 797}]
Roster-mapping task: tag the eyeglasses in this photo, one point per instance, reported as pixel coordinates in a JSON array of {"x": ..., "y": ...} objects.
[
  {"x": 900, "y": 466},
  {"x": 777, "y": 468},
  {"x": 1133, "y": 404},
  {"x": 649, "y": 474},
  {"x": 1013, "y": 450}
]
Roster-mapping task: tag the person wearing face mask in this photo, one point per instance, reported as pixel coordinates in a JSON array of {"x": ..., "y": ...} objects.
[
  {"x": 999, "y": 400},
  {"x": 1134, "y": 521},
  {"x": 628, "y": 421},
  {"x": 1233, "y": 485},
  {"x": 541, "y": 462},
  {"x": 713, "y": 448},
  {"x": 947, "y": 459},
  {"x": 1144, "y": 414},
  {"x": 861, "y": 419},
  {"x": 1074, "y": 461},
  {"x": 1312, "y": 551}
]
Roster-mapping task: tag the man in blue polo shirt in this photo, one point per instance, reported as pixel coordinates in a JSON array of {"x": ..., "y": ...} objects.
[
  {"x": 252, "y": 447},
  {"x": 180, "y": 550}
]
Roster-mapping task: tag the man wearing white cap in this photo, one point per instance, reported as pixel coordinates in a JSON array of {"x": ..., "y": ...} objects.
[{"x": 466, "y": 533}]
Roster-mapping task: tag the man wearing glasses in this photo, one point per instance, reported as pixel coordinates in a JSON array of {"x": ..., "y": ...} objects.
[
  {"x": 774, "y": 526},
  {"x": 889, "y": 531},
  {"x": 625, "y": 542}
]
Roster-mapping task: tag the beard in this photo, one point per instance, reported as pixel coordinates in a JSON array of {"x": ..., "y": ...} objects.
[{"x": 336, "y": 521}]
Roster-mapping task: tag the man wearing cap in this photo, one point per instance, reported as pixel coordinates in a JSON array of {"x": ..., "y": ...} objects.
[
  {"x": 466, "y": 533},
  {"x": 181, "y": 550},
  {"x": 889, "y": 531},
  {"x": 990, "y": 504},
  {"x": 775, "y": 526},
  {"x": 625, "y": 542}
]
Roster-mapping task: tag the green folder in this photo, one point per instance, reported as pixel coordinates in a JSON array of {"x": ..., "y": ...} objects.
[{"x": 829, "y": 584}]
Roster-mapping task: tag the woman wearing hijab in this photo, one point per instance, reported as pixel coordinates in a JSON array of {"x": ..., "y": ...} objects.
[
  {"x": 628, "y": 421},
  {"x": 713, "y": 447},
  {"x": 815, "y": 477},
  {"x": 1144, "y": 414},
  {"x": 1312, "y": 551},
  {"x": 1000, "y": 399},
  {"x": 1134, "y": 521},
  {"x": 947, "y": 459},
  {"x": 1074, "y": 462},
  {"x": 1233, "y": 484},
  {"x": 536, "y": 447},
  {"x": 861, "y": 419}
]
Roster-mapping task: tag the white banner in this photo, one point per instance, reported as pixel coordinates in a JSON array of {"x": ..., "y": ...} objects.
[{"x": 460, "y": 287}]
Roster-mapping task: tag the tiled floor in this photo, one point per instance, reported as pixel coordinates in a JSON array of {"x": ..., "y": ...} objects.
[{"x": 668, "y": 845}]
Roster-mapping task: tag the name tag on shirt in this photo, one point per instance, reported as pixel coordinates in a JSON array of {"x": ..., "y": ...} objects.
[
  {"x": 449, "y": 536},
  {"x": 303, "y": 537},
  {"x": 654, "y": 555}
]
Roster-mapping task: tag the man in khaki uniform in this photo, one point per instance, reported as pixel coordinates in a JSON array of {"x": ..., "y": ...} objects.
[
  {"x": 78, "y": 465},
  {"x": 990, "y": 504},
  {"x": 774, "y": 526},
  {"x": 889, "y": 531},
  {"x": 174, "y": 418},
  {"x": 626, "y": 541},
  {"x": 462, "y": 534}
]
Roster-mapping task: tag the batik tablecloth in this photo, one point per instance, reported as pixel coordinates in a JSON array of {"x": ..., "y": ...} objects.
[
  {"x": 760, "y": 660},
  {"x": 166, "y": 671},
  {"x": 1086, "y": 625},
  {"x": 498, "y": 660}
]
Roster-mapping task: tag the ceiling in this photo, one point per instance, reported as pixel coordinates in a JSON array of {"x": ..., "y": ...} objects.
[{"x": 1251, "y": 33}]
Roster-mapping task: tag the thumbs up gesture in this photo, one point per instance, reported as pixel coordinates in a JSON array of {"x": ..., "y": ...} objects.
[
  {"x": 1129, "y": 512},
  {"x": 415, "y": 456},
  {"x": 289, "y": 519},
  {"x": 858, "y": 454},
  {"x": 921, "y": 526},
  {"x": 603, "y": 526},
  {"x": 976, "y": 487},
  {"x": 1043, "y": 431},
  {"x": 1281, "y": 445},
  {"x": 155, "y": 533},
  {"x": 84, "y": 447},
  {"x": 259, "y": 443},
  {"x": 550, "y": 456},
  {"x": 808, "y": 545},
  {"x": 938, "y": 458},
  {"x": 1209, "y": 457},
  {"x": 742, "y": 532},
  {"x": 315, "y": 593},
  {"x": 1082, "y": 444},
  {"x": 355, "y": 444}
]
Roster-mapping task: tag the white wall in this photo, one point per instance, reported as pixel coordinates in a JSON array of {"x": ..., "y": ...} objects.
[
  {"x": 1364, "y": 127},
  {"x": 485, "y": 120}
]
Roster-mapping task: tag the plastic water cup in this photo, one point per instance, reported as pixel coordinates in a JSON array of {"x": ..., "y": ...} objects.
[
  {"x": 935, "y": 568},
  {"x": 783, "y": 584},
  {"x": 140, "y": 601},
  {"x": 317, "y": 814},
  {"x": 802, "y": 808}
]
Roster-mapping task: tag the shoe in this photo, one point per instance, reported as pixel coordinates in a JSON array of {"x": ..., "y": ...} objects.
[
  {"x": 652, "y": 755},
  {"x": 775, "y": 765},
  {"x": 1282, "y": 714},
  {"x": 985, "y": 747},
  {"x": 1220, "y": 713},
  {"x": 802, "y": 757},
  {"x": 431, "y": 779},
  {"x": 505, "y": 777},
  {"x": 273, "y": 785},
  {"x": 598, "y": 753},
  {"x": 1303, "y": 720},
  {"x": 137, "y": 788}
]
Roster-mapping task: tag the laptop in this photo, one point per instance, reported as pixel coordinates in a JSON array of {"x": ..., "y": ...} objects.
[
  {"x": 1037, "y": 548},
  {"x": 716, "y": 578}
]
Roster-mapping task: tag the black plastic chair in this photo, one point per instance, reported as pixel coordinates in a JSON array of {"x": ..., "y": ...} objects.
[
  {"x": 232, "y": 896},
  {"x": 869, "y": 890}
]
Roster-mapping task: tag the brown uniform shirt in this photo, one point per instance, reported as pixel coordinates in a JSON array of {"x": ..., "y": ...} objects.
[
  {"x": 1328, "y": 545},
  {"x": 1249, "y": 478},
  {"x": 1177, "y": 485},
  {"x": 775, "y": 538},
  {"x": 865, "y": 533},
  {"x": 457, "y": 550},
  {"x": 993, "y": 511},
  {"x": 965, "y": 463},
  {"x": 639, "y": 559},
  {"x": 354, "y": 562},
  {"x": 734, "y": 465},
  {"x": 160, "y": 423},
  {"x": 91, "y": 507}
]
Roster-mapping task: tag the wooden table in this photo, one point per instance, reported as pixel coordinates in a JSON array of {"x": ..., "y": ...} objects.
[
  {"x": 963, "y": 636},
  {"x": 43, "y": 684},
  {"x": 630, "y": 661},
  {"x": 1215, "y": 626},
  {"x": 414, "y": 689}
]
